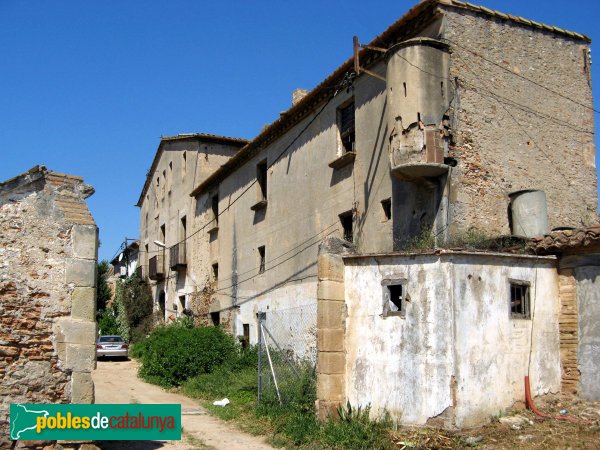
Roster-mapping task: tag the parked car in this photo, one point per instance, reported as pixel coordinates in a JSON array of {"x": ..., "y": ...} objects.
[{"x": 111, "y": 347}]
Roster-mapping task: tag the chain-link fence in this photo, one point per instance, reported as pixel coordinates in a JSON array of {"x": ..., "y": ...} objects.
[{"x": 287, "y": 353}]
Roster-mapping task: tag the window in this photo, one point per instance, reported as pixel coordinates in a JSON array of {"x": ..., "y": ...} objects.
[
  {"x": 346, "y": 221},
  {"x": 261, "y": 254},
  {"x": 169, "y": 179},
  {"x": 163, "y": 234},
  {"x": 216, "y": 318},
  {"x": 387, "y": 209},
  {"x": 164, "y": 176},
  {"x": 215, "y": 271},
  {"x": 346, "y": 127},
  {"x": 214, "y": 204},
  {"x": 519, "y": 300},
  {"x": 246, "y": 339},
  {"x": 183, "y": 164},
  {"x": 261, "y": 178},
  {"x": 394, "y": 297}
]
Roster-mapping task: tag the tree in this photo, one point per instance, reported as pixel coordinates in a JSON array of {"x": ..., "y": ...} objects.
[{"x": 103, "y": 293}]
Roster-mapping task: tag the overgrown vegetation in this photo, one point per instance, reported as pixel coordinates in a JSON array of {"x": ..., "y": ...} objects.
[
  {"x": 210, "y": 365},
  {"x": 173, "y": 354},
  {"x": 469, "y": 239},
  {"x": 130, "y": 312}
]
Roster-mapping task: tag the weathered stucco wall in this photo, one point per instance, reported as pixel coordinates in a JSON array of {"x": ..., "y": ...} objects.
[
  {"x": 48, "y": 247},
  {"x": 492, "y": 350},
  {"x": 403, "y": 365},
  {"x": 512, "y": 134},
  {"x": 456, "y": 339},
  {"x": 588, "y": 300}
]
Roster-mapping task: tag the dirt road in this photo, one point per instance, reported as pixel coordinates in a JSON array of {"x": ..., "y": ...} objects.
[{"x": 117, "y": 382}]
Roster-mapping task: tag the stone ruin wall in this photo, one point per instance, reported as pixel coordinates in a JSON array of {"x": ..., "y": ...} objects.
[{"x": 48, "y": 248}]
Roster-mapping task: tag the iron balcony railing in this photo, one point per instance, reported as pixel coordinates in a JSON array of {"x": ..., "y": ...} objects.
[
  {"x": 156, "y": 266},
  {"x": 178, "y": 258}
]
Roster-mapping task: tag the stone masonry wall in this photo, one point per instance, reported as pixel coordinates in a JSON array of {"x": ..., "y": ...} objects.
[
  {"x": 48, "y": 245},
  {"x": 331, "y": 329},
  {"x": 513, "y": 134}
]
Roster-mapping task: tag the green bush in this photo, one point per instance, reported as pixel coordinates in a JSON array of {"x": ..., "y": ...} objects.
[
  {"x": 174, "y": 354},
  {"x": 107, "y": 322}
]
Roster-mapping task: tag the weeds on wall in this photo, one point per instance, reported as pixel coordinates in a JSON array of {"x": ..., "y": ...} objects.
[{"x": 469, "y": 239}]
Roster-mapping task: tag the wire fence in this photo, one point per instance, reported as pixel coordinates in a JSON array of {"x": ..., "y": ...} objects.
[{"x": 287, "y": 353}]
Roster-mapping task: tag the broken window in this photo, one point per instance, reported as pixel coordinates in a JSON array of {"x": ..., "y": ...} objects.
[
  {"x": 394, "y": 297},
  {"x": 346, "y": 127},
  {"x": 261, "y": 255},
  {"x": 519, "y": 300},
  {"x": 387, "y": 209},
  {"x": 261, "y": 178},
  {"x": 346, "y": 222}
]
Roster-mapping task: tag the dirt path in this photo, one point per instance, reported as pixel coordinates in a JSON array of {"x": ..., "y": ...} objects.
[{"x": 117, "y": 382}]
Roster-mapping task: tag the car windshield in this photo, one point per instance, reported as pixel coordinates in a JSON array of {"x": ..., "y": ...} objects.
[{"x": 110, "y": 339}]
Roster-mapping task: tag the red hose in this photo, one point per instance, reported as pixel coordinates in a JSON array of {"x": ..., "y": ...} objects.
[{"x": 531, "y": 405}]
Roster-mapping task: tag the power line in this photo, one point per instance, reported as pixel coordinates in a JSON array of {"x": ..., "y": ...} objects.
[{"x": 479, "y": 55}]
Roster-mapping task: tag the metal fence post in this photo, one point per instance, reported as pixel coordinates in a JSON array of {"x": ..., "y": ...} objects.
[{"x": 261, "y": 318}]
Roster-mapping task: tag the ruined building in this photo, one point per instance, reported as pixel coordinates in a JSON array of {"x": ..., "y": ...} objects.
[
  {"x": 48, "y": 250},
  {"x": 456, "y": 119}
]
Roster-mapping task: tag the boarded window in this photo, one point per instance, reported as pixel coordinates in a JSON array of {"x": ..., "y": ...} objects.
[
  {"x": 519, "y": 300},
  {"x": 346, "y": 126}
]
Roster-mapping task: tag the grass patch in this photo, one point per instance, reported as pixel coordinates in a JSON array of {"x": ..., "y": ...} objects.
[{"x": 291, "y": 425}]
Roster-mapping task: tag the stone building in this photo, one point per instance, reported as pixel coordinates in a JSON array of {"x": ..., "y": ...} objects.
[
  {"x": 167, "y": 215},
  {"x": 48, "y": 250},
  {"x": 433, "y": 130}
]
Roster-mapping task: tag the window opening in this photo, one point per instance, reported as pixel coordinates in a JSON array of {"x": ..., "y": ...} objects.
[
  {"x": 261, "y": 177},
  {"x": 387, "y": 208},
  {"x": 519, "y": 300},
  {"x": 261, "y": 253},
  {"x": 346, "y": 125},
  {"x": 346, "y": 222}
]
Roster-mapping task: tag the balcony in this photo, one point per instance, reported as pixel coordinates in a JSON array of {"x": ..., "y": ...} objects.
[
  {"x": 177, "y": 256},
  {"x": 156, "y": 267},
  {"x": 418, "y": 155}
]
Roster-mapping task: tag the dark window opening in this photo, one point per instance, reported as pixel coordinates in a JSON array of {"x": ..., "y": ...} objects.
[
  {"x": 261, "y": 253},
  {"x": 519, "y": 300},
  {"x": 182, "y": 302},
  {"x": 215, "y": 208},
  {"x": 387, "y": 208},
  {"x": 246, "y": 338},
  {"x": 163, "y": 233},
  {"x": 346, "y": 126},
  {"x": 183, "y": 229},
  {"x": 346, "y": 221},
  {"x": 261, "y": 177},
  {"x": 215, "y": 317},
  {"x": 394, "y": 297},
  {"x": 404, "y": 84},
  {"x": 215, "y": 270}
]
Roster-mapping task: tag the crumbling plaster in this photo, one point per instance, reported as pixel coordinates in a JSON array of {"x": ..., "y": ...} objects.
[{"x": 457, "y": 352}]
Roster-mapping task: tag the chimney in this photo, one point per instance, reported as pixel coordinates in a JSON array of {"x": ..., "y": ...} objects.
[{"x": 298, "y": 95}]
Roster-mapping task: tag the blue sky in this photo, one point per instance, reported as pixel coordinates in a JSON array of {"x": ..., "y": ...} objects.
[{"x": 88, "y": 87}]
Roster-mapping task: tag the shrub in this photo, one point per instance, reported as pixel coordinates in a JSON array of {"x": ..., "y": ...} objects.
[
  {"x": 107, "y": 322},
  {"x": 173, "y": 354}
]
